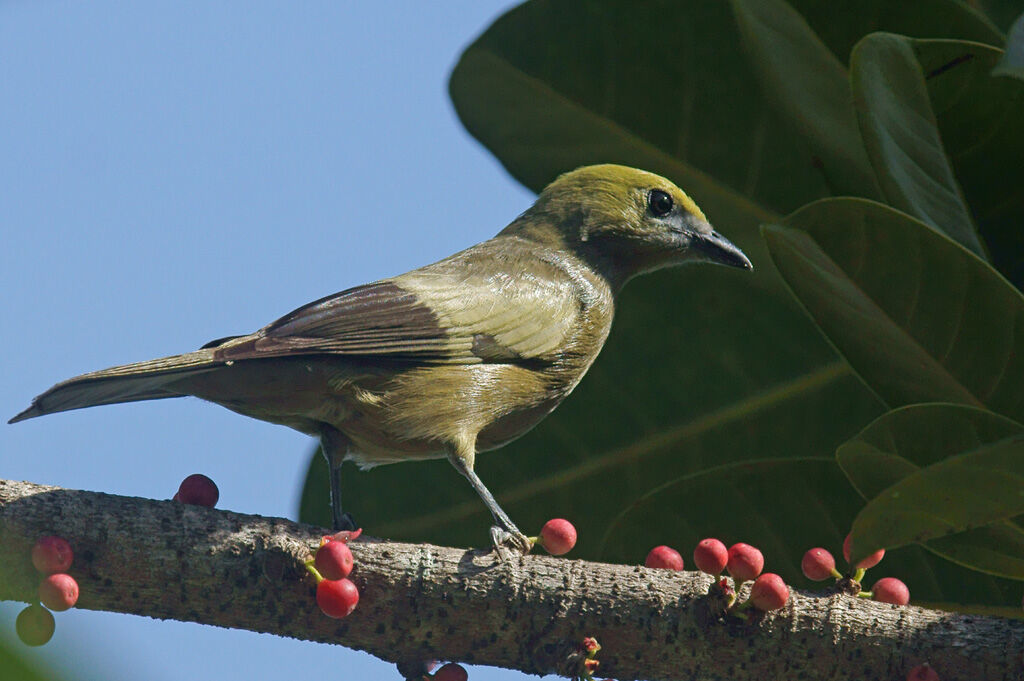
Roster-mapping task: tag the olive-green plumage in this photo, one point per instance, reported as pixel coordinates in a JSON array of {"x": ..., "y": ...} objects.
[{"x": 449, "y": 359}]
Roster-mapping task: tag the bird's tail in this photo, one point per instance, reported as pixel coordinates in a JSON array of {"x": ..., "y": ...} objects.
[{"x": 150, "y": 380}]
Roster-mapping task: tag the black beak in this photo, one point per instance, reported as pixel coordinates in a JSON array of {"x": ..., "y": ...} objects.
[{"x": 714, "y": 247}]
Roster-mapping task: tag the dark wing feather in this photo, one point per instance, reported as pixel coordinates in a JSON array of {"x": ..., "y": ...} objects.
[
  {"x": 502, "y": 301},
  {"x": 374, "y": 319}
]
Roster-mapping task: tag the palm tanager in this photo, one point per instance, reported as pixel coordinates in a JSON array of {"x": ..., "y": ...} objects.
[{"x": 450, "y": 359}]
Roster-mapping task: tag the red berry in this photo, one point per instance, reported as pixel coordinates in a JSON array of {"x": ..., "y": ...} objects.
[
  {"x": 769, "y": 592},
  {"x": 558, "y": 536},
  {"x": 922, "y": 672},
  {"x": 745, "y": 562},
  {"x": 337, "y": 597},
  {"x": 891, "y": 590},
  {"x": 451, "y": 672},
  {"x": 710, "y": 556},
  {"x": 35, "y": 625},
  {"x": 866, "y": 562},
  {"x": 199, "y": 490},
  {"x": 52, "y": 554},
  {"x": 58, "y": 592},
  {"x": 664, "y": 557},
  {"x": 818, "y": 564},
  {"x": 334, "y": 560}
]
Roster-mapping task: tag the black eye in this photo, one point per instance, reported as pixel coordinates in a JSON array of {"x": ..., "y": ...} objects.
[{"x": 660, "y": 203}]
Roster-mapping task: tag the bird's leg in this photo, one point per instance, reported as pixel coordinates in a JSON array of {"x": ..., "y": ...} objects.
[
  {"x": 334, "y": 446},
  {"x": 504, "y": 532}
]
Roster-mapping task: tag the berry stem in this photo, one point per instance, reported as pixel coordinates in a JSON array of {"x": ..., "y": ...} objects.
[
  {"x": 858, "y": 576},
  {"x": 740, "y": 609},
  {"x": 313, "y": 571}
]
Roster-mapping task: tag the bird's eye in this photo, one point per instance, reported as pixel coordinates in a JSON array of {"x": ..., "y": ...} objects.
[{"x": 659, "y": 202}]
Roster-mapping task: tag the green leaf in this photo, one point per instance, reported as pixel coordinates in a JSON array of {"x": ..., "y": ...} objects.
[
  {"x": 1000, "y": 12},
  {"x": 918, "y": 317},
  {"x": 686, "y": 383},
  {"x": 978, "y": 118},
  {"x": 1012, "y": 63},
  {"x": 902, "y": 441},
  {"x": 965, "y": 491},
  {"x": 902, "y": 137},
  {"x": 840, "y": 24},
  {"x": 979, "y": 121},
  {"x": 789, "y": 506},
  {"x": 809, "y": 86}
]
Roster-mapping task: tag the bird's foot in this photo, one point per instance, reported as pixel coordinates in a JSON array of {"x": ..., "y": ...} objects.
[
  {"x": 344, "y": 521},
  {"x": 515, "y": 540}
]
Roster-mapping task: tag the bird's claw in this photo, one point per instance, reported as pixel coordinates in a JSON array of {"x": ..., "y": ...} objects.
[
  {"x": 515, "y": 540},
  {"x": 344, "y": 521}
]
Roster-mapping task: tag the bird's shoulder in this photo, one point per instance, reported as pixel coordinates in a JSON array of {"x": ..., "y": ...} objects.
[{"x": 513, "y": 293}]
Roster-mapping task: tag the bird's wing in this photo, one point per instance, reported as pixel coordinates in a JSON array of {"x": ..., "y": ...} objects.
[{"x": 487, "y": 304}]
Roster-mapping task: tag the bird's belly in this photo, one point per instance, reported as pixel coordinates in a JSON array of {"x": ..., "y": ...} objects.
[
  {"x": 390, "y": 413},
  {"x": 514, "y": 424}
]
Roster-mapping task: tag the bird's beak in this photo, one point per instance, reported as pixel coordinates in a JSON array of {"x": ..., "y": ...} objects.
[{"x": 713, "y": 247}]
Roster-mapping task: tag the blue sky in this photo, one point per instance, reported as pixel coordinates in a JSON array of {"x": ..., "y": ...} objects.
[{"x": 175, "y": 172}]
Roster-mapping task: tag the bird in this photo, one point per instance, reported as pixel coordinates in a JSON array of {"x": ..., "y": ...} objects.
[{"x": 454, "y": 358}]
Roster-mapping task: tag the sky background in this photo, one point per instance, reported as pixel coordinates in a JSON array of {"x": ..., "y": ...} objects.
[{"x": 174, "y": 172}]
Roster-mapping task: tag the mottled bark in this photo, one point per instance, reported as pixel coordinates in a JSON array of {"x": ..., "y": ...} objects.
[{"x": 167, "y": 560}]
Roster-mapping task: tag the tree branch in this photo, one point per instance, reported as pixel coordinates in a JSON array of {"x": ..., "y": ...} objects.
[{"x": 418, "y": 602}]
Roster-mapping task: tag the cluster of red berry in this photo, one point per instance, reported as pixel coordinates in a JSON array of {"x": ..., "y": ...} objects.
[
  {"x": 743, "y": 562},
  {"x": 818, "y": 564},
  {"x": 52, "y": 557},
  {"x": 587, "y": 660},
  {"x": 336, "y": 594},
  {"x": 58, "y": 590}
]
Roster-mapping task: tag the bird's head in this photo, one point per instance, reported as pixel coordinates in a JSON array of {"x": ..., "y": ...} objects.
[{"x": 625, "y": 222}]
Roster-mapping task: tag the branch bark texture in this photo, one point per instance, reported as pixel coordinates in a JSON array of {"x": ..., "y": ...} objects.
[{"x": 419, "y": 602}]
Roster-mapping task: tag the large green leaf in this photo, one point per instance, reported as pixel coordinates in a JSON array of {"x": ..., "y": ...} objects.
[
  {"x": 700, "y": 370},
  {"x": 1012, "y": 63},
  {"x": 902, "y": 137},
  {"x": 1001, "y": 13},
  {"x": 902, "y": 441},
  {"x": 840, "y": 24},
  {"x": 918, "y": 317},
  {"x": 807, "y": 83},
  {"x": 979, "y": 119},
  {"x": 789, "y": 506},
  {"x": 969, "y": 490}
]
